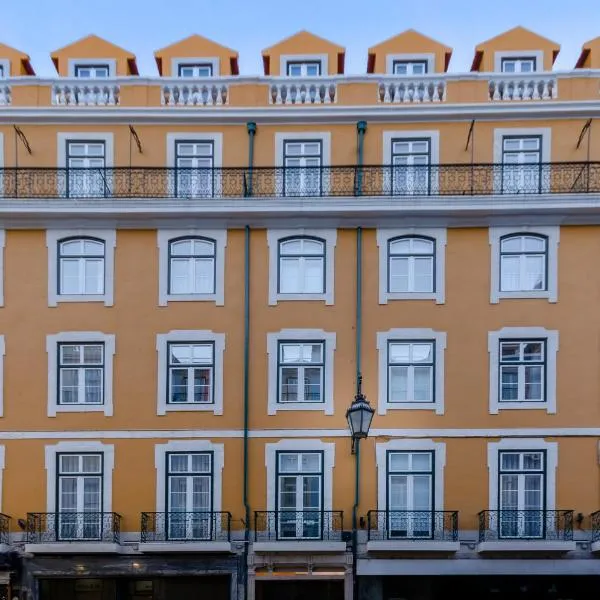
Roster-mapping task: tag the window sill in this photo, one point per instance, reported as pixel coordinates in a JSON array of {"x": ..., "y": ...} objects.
[
  {"x": 300, "y": 297},
  {"x": 414, "y": 406},
  {"x": 190, "y": 298},
  {"x": 301, "y": 406},
  {"x": 389, "y": 296},
  {"x": 80, "y": 408},
  {"x": 81, "y": 298},
  {"x": 545, "y": 295},
  {"x": 189, "y": 408},
  {"x": 522, "y": 406}
]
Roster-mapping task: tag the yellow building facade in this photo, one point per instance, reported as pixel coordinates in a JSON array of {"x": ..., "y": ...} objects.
[{"x": 198, "y": 269}]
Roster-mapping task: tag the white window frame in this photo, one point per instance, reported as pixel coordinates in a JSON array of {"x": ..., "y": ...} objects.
[
  {"x": 193, "y": 336},
  {"x": 439, "y": 339},
  {"x": 2, "y": 353},
  {"x": 428, "y": 57},
  {"x": 411, "y": 445},
  {"x": 163, "y": 238},
  {"x": 552, "y": 235},
  {"x": 82, "y": 62},
  {"x": 2, "y": 245},
  {"x": 538, "y": 55},
  {"x": 292, "y": 445},
  {"x": 306, "y": 335},
  {"x": 213, "y": 61},
  {"x": 284, "y": 59},
  {"x": 108, "y": 452},
  {"x": 2, "y": 464},
  {"x": 524, "y": 444},
  {"x": 109, "y": 237},
  {"x": 439, "y": 236},
  {"x": 5, "y": 64},
  {"x": 160, "y": 463},
  {"x": 274, "y": 236},
  {"x": 52, "y": 341},
  {"x": 523, "y": 333}
]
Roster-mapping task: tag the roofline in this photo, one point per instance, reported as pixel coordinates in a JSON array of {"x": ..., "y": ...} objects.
[
  {"x": 585, "y": 52},
  {"x": 477, "y": 60}
]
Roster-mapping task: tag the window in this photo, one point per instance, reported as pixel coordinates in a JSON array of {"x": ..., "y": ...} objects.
[
  {"x": 299, "y": 495},
  {"x": 302, "y": 161},
  {"x": 86, "y": 170},
  {"x": 411, "y": 265},
  {"x": 523, "y": 368},
  {"x": 411, "y": 370},
  {"x": 521, "y": 164},
  {"x": 410, "y": 67},
  {"x": 410, "y": 494},
  {"x": 195, "y": 70},
  {"x": 81, "y": 267},
  {"x": 191, "y": 372},
  {"x": 302, "y": 266},
  {"x": 192, "y": 266},
  {"x": 518, "y": 65},
  {"x": 410, "y": 167},
  {"x": 194, "y": 162},
  {"x": 301, "y": 370},
  {"x": 521, "y": 491},
  {"x": 524, "y": 263},
  {"x": 81, "y": 373},
  {"x": 79, "y": 492},
  {"x": 92, "y": 71},
  {"x": 304, "y": 68},
  {"x": 1, "y": 71},
  {"x": 190, "y": 495}
]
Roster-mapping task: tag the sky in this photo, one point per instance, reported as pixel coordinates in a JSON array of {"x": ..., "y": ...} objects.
[{"x": 38, "y": 27}]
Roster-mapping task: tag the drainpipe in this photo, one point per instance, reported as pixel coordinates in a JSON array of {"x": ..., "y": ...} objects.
[
  {"x": 361, "y": 129},
  {"x": 251, "y": 127}
]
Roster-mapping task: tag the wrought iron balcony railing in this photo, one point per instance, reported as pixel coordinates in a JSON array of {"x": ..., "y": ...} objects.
[
  {"x": 44, "y": 528},
  {"x": 4, "y": 528},
  {"x": 556, "y": 525},
  {"x": 186, "y": 527},
  {"x": 437, "y": 525},
  {"x": 401, "y": 182},
  {"x": 595, "y": 516},
  {"x": 283, "y": 525}
]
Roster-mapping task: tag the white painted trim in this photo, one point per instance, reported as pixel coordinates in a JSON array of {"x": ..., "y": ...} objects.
[
  {"x": 2, "y": 245},
  {"x": 329, "y": 339},
  {"x": 75, "y": 548},
  {"x": 109, "y": 237},
  {"x": 79, "y": 62},
  {"x": 511, "y": 545},
  {"x": 163, "y": 237},
  {"x": 518, "y": 333},
  {"x": 199, "y": 335},
  {"x": 408, "y": 445},
  {"x": 552, "y": 233},
  {"x": 2, "y": 465},
  {"x": 412, "y": 546},
  {"x": 5, "y": 64},
  {"x": 427, "y": 56},
  {"x": 439, "y": 235},
  {"x": 213, "y": 61},
  {"x": 2, "y": 353},
  {"x": 551, "y": 449},
  {"x": 160, "y": 452},
  {"x": 2, "y": 177},
  {"x": 63, "y": 137},
  {"x": 284, "y": 59},
  {"x": 538, "y": 55},
  {"x": 274, "y": 236},
  {"x": 328, "y": 450},
  {"x": 184, "y": 546},
  {"x": 439, "y": 339},
  {"x": 108, "y": 450},
  {"x": 300, "y": 546},
  {"x": 52, "y": 341}
]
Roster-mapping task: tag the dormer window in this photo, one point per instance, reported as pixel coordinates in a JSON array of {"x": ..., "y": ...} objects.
[
  {"x": 307, "y": 68},
  {"x": 1, "y": 71},
  {"x": 526, "y": 64},
  {"x": 92, "y": 71},
  {"x": 195, "y": 70},
  {"x": 410, "y": 67}
]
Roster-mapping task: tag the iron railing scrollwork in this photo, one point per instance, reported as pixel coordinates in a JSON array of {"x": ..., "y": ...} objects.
[
  {"x": 282, "y": 525},
  {"x": 4, "y": 528},
  {"x": 436, "y": 525},
  {"x": 200, "y": 526},
  {"x": 595, "y": 517},
  {"x": 66, "y": 526},
  {"x": 541, "y": 524}
]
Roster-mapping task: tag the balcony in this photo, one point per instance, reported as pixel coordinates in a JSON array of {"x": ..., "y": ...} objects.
[
  {"x": 299, "y": 531},
  {"x": 73, "y": 532},
  {"x": 5, "y": 94},
  {"x": 595, "y": 518},
  {"x": 4, "y": 532},
  {"x": 526, "y": 531},
  {"x": 185, "y": 532},
  {"x": 182, "y": 92},
  {"x": 523, "y": 86},
  {"x": 412, "y": 90},
  {"x": 412, "y": 531},
  {"x": 81, "y": 92},
  {"x": 303, "y": 91}
]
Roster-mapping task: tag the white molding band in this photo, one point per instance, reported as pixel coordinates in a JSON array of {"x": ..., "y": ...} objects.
[
  {"x": 160, "y": 452},
  {"x": 108, "y": 451},
  {"x": 213, "y": 61},
  {"x": 328, "y": 449},
  {"x": 2, "y": 353},
  {"x": 2, "y": 246},
  {"x": 523, "y": 333},
  {"x": 109, "y": 237},
  {"x": 2, "y": 465},
  {"x": 317, "y": 335},
  {"x": 439, "y": 236},
  {"x": 439, "y": 340},
  {"x": 411, "y": 445},
  {"x": 284, "y": 59},
  {"x": 537, "y": 54},
  {"x": 82, "y": 62},
  {"x": 163, "y": 237},
  {"x": 192, "y": 336},
  {"x": 82, "y": 337},
  {"x": 552, "y": 235},
  {"x": 429, "y": 57},
  {"x": 274, "y": 237},
  {"x": 525, "y": 444}
]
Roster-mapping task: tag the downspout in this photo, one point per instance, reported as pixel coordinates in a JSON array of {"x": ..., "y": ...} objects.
[
  {"x": 251, "y": 127},
  {"x": 361, "y": 129}
]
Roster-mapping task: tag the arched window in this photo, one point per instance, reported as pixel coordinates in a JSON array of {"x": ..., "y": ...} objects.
[
  {"x": 192, "y": 266},
  {"x": 81, "y": 266},
  {"x": 302, "y": 266},
  {"x": 411, "y": 265},
  {"x": 523, "y": 263}
]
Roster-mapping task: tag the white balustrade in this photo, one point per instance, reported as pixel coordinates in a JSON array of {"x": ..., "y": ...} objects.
[
  {"x": 86, "y": 93},
  {"x": 523, "y": 87},
  {"x": 194, "y": 94},
  {"x": 5, "y": 96},
  {"x": 302, "y": 91},
  {"x": 402, "y": 90}
]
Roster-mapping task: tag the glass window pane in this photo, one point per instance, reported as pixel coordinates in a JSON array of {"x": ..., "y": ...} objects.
[
  {"x": 510, "y": 351},
  {"x": 201, "y": 463},
  {"x": 288, "y": 463},
  {"x": 400, "y": 246},
  {"x": 399, "y": 353},
  {"x": 422, "y": 353},
  {"x": 509, "y": 383},
  {"x": 178, "y": 463},
  {"x": 422, "y": 246},
  {"x": 421, "y": 461},
  {"x": 398, "y": 384},
  {"x": 533, "y": 351},
  {"x": 69, "y": 463},
  {"x": 509, "y": 461},
  {"x": 532, "y": 461},
  {"x": 423, "y": 384},
  {"x": 399, "y": 461},
  {"x": 91, "y": 463},
  {"x": 512, "y": 244},
  {"x": 534, "y": 244},
  {"x": 289, "y": 276},
  {"x": 311, "y": 463}
]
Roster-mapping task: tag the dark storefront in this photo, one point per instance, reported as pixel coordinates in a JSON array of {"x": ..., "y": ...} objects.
[{"x": 300, "y": 590}]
